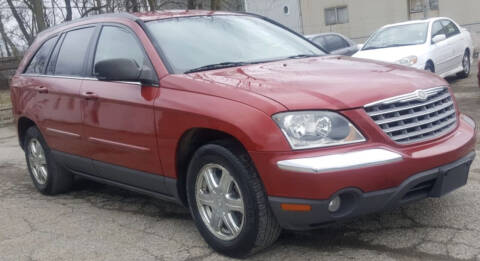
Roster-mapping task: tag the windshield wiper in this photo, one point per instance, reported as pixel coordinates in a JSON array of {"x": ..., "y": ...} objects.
[
  {"x": 386, "y": 46},
  {"x": 299, "y": 56},
  {"x": 216, "y": 66}
]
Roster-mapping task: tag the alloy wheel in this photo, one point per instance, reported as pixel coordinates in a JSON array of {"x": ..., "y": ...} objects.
[
  {"x": 37, "y": 161},
  {"x": 466, "y": 64},
  {"x": 220, "y": 202}
]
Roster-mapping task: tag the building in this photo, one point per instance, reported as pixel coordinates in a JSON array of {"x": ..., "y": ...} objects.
[
  {"x": 358, "y": 19},
  {"x": 286, "y": 12}
]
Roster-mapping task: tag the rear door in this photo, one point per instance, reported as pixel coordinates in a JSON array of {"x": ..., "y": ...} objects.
[
  {"x": 119, "y": 116},
  {"x": 64, "y": 75}
]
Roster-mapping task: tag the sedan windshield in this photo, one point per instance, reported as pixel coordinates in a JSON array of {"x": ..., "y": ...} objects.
[
  {"x": 400, "y": 35},
  {"x": 202, "y": 43}
]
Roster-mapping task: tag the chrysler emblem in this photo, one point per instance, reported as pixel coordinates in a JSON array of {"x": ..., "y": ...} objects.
[{"x": 422, "y": 95}]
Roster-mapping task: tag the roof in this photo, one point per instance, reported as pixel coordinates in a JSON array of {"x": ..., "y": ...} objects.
[
  {"x": 429, "y": 20},
  {"x": 147, "y": 16},
  {"x": 163, "y": 14}
]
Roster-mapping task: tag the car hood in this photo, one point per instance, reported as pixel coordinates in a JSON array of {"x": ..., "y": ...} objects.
[
  {"x": 329, "y": 82},
  {"x": 390, "y": 55}
]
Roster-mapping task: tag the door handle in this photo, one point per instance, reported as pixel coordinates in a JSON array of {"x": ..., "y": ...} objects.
[
  {"x": 41, "y": 89},
  {"x": 89, "y": 95}
]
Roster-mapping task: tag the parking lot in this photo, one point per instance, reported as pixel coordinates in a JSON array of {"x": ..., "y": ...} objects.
[{"x": 99, "y": 222}]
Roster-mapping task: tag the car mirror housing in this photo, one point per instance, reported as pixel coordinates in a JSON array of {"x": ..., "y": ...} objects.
[
  {"x": 439, "y": 38},
  {"x": 117, "y": 70}
]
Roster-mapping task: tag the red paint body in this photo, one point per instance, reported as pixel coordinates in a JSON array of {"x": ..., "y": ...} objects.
[{"x": 139, "y": 127}]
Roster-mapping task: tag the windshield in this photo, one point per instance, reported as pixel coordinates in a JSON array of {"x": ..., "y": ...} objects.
[
  {"x": 400, "y": 35},
  {"x": 191, "y": 43}
]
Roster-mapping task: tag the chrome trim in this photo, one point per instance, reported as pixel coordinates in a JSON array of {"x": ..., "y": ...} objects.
[
  {"x": 74, "y": 78},
  {"x": 421, "y": 95},
  {"x": 417, "y": 116},
  {"x": 64, "y": 133},
  {"x": 118, "y": 144},
  {"x": 339, "y": 162},
  {"x": 59, "y": 76}
]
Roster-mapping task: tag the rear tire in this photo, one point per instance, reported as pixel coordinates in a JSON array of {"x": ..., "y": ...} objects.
[
  {"x": 259, "y": 228},
  {"x": 466, "y": 64},
  {"x": 47, "y": 175}
]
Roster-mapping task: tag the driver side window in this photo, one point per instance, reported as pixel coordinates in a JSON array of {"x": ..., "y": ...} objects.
[
  {"x": 450, "y": 28},
  {"x": 118, "y": 43},
  {"x": 437, "y": 29}
]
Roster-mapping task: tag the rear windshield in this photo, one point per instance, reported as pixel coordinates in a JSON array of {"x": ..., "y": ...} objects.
[{"x": 193, "y": 42}]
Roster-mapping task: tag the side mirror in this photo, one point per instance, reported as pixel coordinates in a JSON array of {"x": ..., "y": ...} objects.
[
  {"x": 439, "y": 38},
  {"x": 126, "y": 70}
]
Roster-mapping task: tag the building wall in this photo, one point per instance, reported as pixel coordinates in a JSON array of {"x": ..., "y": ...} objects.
[
  {"x": 366, "y": 16},
  {"x": 274, "y": 9}
]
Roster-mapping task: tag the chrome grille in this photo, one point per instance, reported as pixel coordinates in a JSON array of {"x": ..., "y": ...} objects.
[{"x": 416, "y": 116}]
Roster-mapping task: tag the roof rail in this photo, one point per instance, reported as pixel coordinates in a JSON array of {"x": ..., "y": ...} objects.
[{"x": 120, "y": 15}]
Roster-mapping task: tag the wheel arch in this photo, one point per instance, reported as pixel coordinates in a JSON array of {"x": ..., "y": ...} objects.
[
  {"x": 24, "y": 123},
  {"x": 191, "y": 141}
]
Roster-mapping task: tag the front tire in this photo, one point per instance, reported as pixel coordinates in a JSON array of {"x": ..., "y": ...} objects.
[
  {"x": 430, "y": 67},
  {"x": 47, "y": 175},
  {"x": 466, "y": 66},
  {"x": 227, "y": 201}
]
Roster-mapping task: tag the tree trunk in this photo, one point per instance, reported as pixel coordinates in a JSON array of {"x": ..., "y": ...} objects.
[
  {"x": 38, "y": 13},
  {"x": 15, "y": 14},
  {"x": 191, "y": 4},
  {"x": 68, "y": 7},
  {"x": 215, "y": 4},
  {"x": 7, "y": 41},
  {"x": 99, "y": 6}
]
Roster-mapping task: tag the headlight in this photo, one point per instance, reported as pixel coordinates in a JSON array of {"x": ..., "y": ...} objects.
[
  {"x": 408, "y": 61},
  {"x": 314, "y": 129}
]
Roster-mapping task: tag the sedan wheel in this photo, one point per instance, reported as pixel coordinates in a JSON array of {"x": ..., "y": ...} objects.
[{"x": 466, "y": 66}]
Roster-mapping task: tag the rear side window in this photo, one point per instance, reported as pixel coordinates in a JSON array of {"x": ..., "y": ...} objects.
[
  {"x": 72, "y": 54},
  {"x": 40, "y": 59},
  {"x": 118, "y": 43}
]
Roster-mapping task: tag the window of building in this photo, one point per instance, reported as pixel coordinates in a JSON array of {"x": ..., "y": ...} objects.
[
  {"x": 336, "y": 15},
  {"x": 416, "y": 6}
]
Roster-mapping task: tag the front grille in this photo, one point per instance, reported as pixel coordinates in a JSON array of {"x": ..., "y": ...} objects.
[{"x": 415, "y": 117}]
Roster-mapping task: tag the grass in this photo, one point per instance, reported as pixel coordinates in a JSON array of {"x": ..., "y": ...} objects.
[{"x": 5, "y": 98}]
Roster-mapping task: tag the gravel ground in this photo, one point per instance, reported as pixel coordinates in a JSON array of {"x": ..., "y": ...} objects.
[{"x": 99, "y": 222}]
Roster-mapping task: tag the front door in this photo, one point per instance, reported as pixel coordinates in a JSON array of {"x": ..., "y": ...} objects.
[{"x": 119, "y": 116}]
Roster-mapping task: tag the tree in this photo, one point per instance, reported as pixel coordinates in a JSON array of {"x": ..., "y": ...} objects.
[
  {"x": 68, "y": 9},
  {"x": 20, "y": 22}
]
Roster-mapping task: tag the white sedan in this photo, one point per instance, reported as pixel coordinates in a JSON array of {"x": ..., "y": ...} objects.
[{"x": 438, "y": 45}]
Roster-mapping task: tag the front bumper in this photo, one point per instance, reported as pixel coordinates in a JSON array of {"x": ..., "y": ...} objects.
[{"x": 431, "y": 183}]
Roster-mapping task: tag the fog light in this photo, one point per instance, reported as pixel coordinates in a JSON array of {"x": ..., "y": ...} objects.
[{"x": 334, "y": 204}]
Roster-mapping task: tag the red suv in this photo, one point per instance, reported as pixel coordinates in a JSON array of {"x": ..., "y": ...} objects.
[{"x": 247, "y": 123}]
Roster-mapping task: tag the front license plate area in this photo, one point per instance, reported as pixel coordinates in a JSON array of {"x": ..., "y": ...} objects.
[{"x": 451, "y": 180}]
